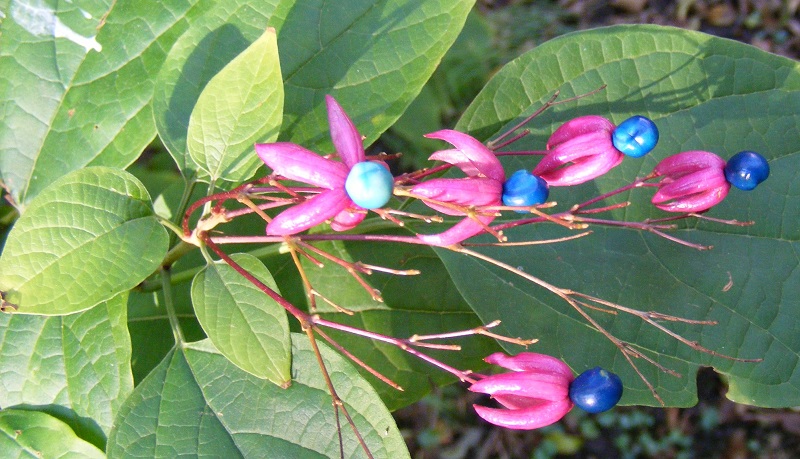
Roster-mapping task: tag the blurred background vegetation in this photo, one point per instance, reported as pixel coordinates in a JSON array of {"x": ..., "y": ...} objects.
[{"x": 443, "y": 425}]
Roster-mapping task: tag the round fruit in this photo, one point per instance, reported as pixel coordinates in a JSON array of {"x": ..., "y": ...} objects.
[
  {"x": 746, "y": 169},
  {"x": 369, "y": 185},
  {"x": 596, "y": 390},
  {"x": 636, "y": 136},
  {"x": 524, "y": 189}
]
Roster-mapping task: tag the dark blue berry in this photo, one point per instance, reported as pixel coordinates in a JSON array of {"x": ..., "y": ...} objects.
[
  {"x": 746, "y": 169},
  {"x": 596, "y": 390},
  {"x": 524, "y": 189},
  {"x": 636, "y": 136},
  {"x": 369, "y": 185}
]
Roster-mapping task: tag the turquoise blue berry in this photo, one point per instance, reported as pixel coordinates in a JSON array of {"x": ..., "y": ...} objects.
[
  {"x": 596, "y": 390},
  {"x": 746, "y": 169},
  {"x": 636, "y": 136},
  {"x": 369, "y": 185},
  {"x": 524, "y": 189}
]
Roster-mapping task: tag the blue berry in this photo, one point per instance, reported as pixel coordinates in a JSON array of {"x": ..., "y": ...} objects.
[
  {"x": 596, "y": 390},
  {"x": 746, "y": 169},
  {"x": 524, "y": 189},
  {"x": 636, "y": 136},
  {"x": 369, "y": 185}
]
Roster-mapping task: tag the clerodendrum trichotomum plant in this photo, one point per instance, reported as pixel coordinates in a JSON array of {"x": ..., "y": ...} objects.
[{"x": 287, "y": 285}]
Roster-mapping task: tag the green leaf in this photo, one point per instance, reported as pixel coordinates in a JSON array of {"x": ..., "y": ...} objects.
[
  {"x": 86, "y": 238},
  {"x": 80, "y": 79},
  {"x": 464, "y": 70},
  {"x": 76, "y": 366},
  {"x": 147, "y": 318},
  {"x": 34, "y": 434},
  {"x": 372, "y": 56},
  {"x": 242, "y": 104},
  {"x": 198, "y": 403},
  {"x": 247, "y": 326},
  {"x": 151, "y": 333},
  {"x": 148, "y": 323},
  {"x": 211, "y": 42},
  {"x": 165, "y": 185},
  {"x": 423, "y": 304},
  {"x": 704, "y": 93}
]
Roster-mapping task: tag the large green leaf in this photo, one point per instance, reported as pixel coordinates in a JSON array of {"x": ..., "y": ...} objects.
[
  {"x": 34, "y": 434},
  {"x": 372, "y": 56},
  {"x": 77, "y": 99},
  {"x": 77, "y": 367},
  {"x": 211, "y": 42},
  {"x": 248, "y": 327},
  {"x": 242, "y": 104},
  {"x": 86, "y": 238},
  {"x": 197, "y": 403},
  {"x": 703, "y": 93},
  {"x": 427, "y": 303}
]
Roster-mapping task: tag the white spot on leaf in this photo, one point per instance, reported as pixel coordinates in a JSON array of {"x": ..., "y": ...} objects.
[{"x": 40, "y": 19}]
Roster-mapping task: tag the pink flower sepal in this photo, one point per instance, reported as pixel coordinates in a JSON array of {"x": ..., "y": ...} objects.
[
  {"x": 483, "y": 186},
  {"x": 535, "y": 393},
  {"x": 692, "y": 181},
  {"x": 580, "y": 150},
  {"x": 299, "y": 164}
]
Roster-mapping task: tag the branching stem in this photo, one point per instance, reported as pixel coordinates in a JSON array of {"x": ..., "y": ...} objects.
[{"x": 338, "y": 404}]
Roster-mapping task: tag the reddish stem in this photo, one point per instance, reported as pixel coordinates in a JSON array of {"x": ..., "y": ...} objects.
[
  {"x": 308, "y": 321},
  {"x": 317, "y": 237},
  {"x": 301, "y": 316},
  {"x": 402, "y": 344},
  {"x": 636, "y": 184},
  {"x": 522, "y": 153}
]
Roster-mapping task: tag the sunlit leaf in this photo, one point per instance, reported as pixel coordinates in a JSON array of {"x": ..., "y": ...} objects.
[
  {"x": 247, "y": 326},
  {"x": 198, "y": 403},
  {"x": 241, "y": 105},
  {"x": 89, "y": 236},
  {"x": 77, "y": 365},
  {"x": 80, "y": 78},
  {"x": 211, "y": 42},
  {"x": 372, "y": 56}
]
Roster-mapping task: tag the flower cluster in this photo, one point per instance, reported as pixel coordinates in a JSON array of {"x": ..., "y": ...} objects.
[
  {"x": 589, "y": 146},
  {"x": 482, "y": 187},
  {"x": 341, "y": 188},
  {"x": 540, "y": 389},
  {"x": 350, "y": 186},
  {"x": 695, "y": 181},
  {"x": 578, "y": 151},
  {"x": 535, "y": 392}
]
